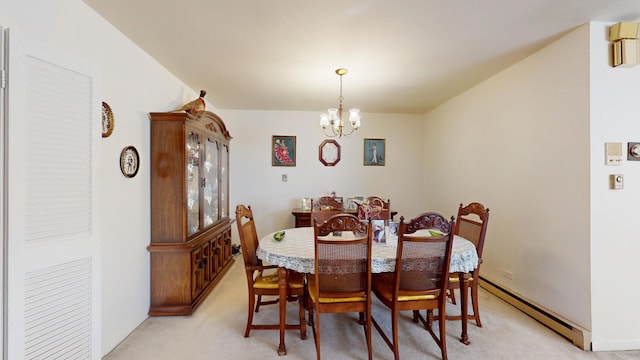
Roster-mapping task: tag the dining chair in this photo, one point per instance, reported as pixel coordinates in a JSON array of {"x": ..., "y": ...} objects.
[
  {"x": 328, "y": 203},
  {"x": 325, "y": 207},
  {"x": 420, "y": 278},
  {"x": 341, "y": 281},
  {"x": 471, "y": 224},
  {"x": 261, "y": 283},
  {"x": 378, "y": 201},
  {"x": 374, "y": 208}
]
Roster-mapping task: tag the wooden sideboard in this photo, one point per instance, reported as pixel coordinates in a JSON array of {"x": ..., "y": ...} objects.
[{"x": 303, "y": 217}]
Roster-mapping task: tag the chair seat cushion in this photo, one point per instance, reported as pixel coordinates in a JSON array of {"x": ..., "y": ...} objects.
[
  {"x": 383, "y": 285},
  {"x": 454, "y": 278},
  {"x": 271, "y": 282},
  {"x": 330, "y": 300}
]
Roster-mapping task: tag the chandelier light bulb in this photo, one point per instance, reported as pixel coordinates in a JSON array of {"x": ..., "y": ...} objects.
[
  {"x": 333, "y": 115},
  {"x": 324, "y": 120},
  {"x": 354, "y": 118}
]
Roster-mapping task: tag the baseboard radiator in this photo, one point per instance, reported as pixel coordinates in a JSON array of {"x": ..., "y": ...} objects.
[{"x": 578, "y": 336}]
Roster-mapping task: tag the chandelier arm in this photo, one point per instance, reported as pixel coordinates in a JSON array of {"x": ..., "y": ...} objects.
[
  {"x": 331, "y": 135},
  {"x": 348, "y": 133}
]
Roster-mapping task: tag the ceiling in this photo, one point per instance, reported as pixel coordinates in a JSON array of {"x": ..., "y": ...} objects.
[{"x": 404, "y": 56}]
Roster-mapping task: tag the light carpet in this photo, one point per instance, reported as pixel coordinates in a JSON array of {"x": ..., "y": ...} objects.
[{"x": 216, "y": 329}]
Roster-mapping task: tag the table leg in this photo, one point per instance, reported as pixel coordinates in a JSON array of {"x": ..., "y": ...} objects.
[
  {"x": 282, "y": 287},
  {"x": 464, "y": 289}
]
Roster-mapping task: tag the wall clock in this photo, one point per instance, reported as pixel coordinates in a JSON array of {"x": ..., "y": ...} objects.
[
  {"x": 329, "y": 152},
  {"x": 129, "y": 161},
  {"x": 107, "y": 120}
]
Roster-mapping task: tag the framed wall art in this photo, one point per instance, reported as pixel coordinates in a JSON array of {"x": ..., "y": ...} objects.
[
  {"x": 283, "y": 150},
  {"x": 129, "y": 161},
  {"x": 352, "y": 203},
  {"x": 107, "y": 120},
  {"x": 305, "y": 203},
  {"x": 374, "y": 152}
]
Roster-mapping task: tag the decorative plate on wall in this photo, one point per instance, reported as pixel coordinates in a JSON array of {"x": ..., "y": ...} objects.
[
  {"x": 107, "y": 120},
  {"x": 129, "y": 161}
]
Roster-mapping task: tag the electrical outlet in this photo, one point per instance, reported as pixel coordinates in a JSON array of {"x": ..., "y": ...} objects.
[
  {"x": 507, "y": 274},
  {"x": 284, "y": 178}
]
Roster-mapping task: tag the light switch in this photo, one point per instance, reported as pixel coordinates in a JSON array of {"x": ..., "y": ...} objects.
[
  {"x": 613, "y": 153},
  {"x": 617, "y": 181}
]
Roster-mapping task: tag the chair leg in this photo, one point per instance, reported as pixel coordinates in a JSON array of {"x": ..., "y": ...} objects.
[
  {"x": 430, "y": 317},
  {"x": 367, "y": 333},
  {"x": 394, "y": 334},
  {"x": 316, "y": 334},
  {"x": 303, "y": 325},
  {"x": 416, "y": 316},
  {"x": 252, "y": 299},
  {"x": 474, "y": 301},
  {"x": 258, "y": 303},
  {"x": 310, "y": 313},
  {"x": 443, "y": 333},
  {"x": 452, "y": 295}
]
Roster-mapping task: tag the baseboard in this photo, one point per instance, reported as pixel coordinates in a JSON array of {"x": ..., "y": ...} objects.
[{"x": 578, "y": 336}]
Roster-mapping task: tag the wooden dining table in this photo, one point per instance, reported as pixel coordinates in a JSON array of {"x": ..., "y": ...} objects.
[{"x": 296, "y": 252}]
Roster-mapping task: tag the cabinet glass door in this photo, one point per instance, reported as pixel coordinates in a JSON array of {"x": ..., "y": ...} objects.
[
  {"x": 224, "y": 181},
  {"x": 193, "y": 182},
  {"x": 210, "y": 183}
]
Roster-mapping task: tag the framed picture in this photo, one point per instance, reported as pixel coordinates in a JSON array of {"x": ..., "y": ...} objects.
[
  {"x": 351, "y": 204},
  {"x": 107, "y": 120},
  {"x": 392, "y": 233},
  {"x": 305, "y": 203},
  {"x": 374, "y": 152},
  {"x": 283, "y": 150},
  {"x": 379, "y": 234},
  {"x": 393, "y": 228}
]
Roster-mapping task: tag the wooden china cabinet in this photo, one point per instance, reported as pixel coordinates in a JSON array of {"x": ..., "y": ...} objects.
[{"x": 190, "y": 226}]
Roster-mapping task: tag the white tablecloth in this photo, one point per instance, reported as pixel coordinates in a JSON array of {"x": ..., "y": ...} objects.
[{"x": 295, "y": 252}]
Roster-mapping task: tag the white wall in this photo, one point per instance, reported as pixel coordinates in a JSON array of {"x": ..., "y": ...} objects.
[
  {"x": 254, "y": 181},
  {"x": 133, "y": 84},
  {"x": 529, "y": 143},
  {"x": 518, "y": 143},
  {"x": 614, "y": 213}
]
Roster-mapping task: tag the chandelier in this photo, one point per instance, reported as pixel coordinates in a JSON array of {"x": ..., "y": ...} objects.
[{"x": 333, "y": 118}]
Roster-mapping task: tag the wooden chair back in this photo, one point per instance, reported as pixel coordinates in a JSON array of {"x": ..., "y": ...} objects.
[
  {"x": 471, "y": 224},
  {"x": 343, "y": 266},
  {"x": 327, "y": 203},
  {"x": 374, "y": 209},
  {"x": 423, "y": 259},
  {"x": 325, "y": 207},
  {"x": 248, "y": 235}
]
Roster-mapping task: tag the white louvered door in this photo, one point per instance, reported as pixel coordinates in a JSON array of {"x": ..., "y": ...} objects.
[
  {"x": 54, "y": 262},
  {"x": 3, "y": 40}
]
